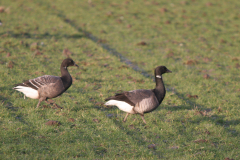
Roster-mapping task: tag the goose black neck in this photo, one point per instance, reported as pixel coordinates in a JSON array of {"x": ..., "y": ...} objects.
[
  {"x": 159, "y": 89},
  {"x": 66, "y": 77}
]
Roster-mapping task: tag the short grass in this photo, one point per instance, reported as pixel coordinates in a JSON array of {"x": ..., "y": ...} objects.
[{"x": 192, "y": 38}]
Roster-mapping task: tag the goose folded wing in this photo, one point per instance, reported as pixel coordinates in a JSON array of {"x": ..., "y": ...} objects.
[
  {"x": 41, "y": 81},
  {"x": 137, "y": 96},
  {"x": 120, "y": 97}
]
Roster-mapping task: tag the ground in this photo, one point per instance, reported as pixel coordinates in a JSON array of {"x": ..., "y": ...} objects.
[{"x": 117, "y": 45}]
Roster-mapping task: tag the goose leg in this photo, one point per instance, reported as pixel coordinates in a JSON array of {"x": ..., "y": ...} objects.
[
  {"x": 40, "y": 100},
  {"x": 38, "y": 103},
  {"x": 125, "y": 117},
  {"x": 142, "y": 116}
]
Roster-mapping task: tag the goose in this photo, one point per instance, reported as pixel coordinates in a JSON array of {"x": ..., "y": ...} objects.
[
  {"x": 141, "y": 101},
  {"x": 47, "y": 86}
]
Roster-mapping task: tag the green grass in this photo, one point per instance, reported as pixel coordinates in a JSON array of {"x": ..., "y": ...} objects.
[{"x": 176, "y": 33}]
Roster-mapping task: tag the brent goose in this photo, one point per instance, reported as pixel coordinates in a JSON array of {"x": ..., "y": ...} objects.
[
  {"x": 47, "y": 86},
  {"x": 141, "y": 101}
]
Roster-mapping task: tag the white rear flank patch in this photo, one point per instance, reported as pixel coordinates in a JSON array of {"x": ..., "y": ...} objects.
[
  {"x": 29, "y": 92},
  {"x": 121, "y": 105},
  {"x": 158, "y": 76}
]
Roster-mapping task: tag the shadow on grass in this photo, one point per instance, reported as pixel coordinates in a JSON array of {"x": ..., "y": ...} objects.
[
  {"x": 40, "y": 36},
  {"x": 14, "y": 111},
  {"x": 218, "y": 120},
  {"x": 135, "y": 134}
]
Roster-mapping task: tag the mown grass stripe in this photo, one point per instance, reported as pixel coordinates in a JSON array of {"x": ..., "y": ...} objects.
[{"x": 176, "y": 130}]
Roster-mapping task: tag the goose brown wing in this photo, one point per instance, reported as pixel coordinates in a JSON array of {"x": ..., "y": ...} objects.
[
  {"x": 137, "y": 96},
  {"x": 120, "y": 97},
  {"x": 41, "y": 81}
]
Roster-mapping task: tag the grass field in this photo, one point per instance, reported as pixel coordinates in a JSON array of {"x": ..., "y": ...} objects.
[{"x": 117, "y": 45}]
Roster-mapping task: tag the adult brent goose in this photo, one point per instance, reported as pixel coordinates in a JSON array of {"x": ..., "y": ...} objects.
[
  {"x": 47, "y": 86},
  {"x": 141, "y": 101}
]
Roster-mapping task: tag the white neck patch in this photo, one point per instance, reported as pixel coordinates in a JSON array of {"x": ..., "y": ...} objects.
[{"x": 158, "y": 76}]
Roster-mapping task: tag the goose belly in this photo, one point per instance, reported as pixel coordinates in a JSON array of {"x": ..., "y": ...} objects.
[
  {"x": 51, "y": 90},
  {"x": 121, "y": 105},
  {"x": 146, "y": 106},
  {"x": 28, "y": 92}
]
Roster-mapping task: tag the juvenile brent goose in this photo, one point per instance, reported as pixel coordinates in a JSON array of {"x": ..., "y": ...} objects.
[
  {"x": 141, "y": 101},
  {"x": 47, "y": 86}
]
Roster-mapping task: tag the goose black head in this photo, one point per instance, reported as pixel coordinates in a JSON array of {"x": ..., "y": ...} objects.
[
  {"x": 161, "y": 70},
  {"x": 68, "y": 62}
]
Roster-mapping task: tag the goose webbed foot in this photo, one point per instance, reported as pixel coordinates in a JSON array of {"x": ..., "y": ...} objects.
[
  {"x": 57, "y": 106},
  {"x": 54, "y": 104}
]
